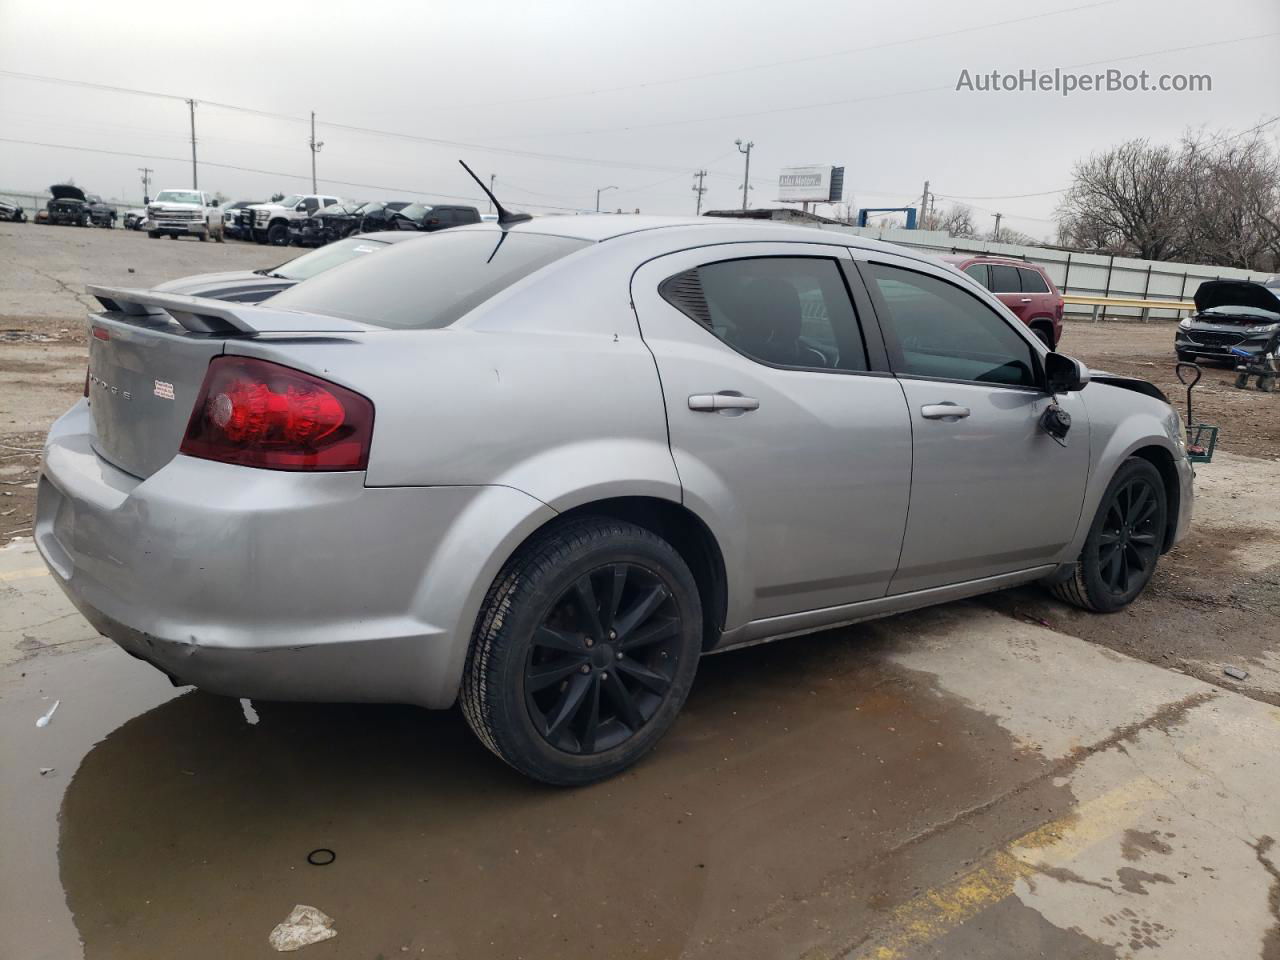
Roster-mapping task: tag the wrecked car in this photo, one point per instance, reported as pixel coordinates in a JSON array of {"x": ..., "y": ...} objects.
[
  {"x": 423, "y": 216},
  {"x": 540, "y": 467},
  {"x": 12, "y": 212},
  {"x": 1230, "y": 315},
  {"x": 69, "y": 205},
  {"x": 327, "y": 224}
]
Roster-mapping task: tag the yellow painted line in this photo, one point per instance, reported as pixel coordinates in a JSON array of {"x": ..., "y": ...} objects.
[
  {"x": 934, "y": 913},
  {"x": 26, "y": 573}
]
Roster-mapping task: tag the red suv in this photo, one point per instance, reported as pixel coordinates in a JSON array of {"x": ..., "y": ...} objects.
[{"x": 1022, "y": 287}]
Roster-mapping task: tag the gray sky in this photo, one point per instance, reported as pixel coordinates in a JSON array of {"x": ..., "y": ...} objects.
[{"x": 647, "y": 92}]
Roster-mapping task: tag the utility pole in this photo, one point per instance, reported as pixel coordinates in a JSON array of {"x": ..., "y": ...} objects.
[
  {"x": 746, "y": 173},
  {"x": 146, "y": 184},
  {"x": 493, "y": 177},
  {"x": 195, "y": 180},
  {"x": 996, "y": 233},
  {"x": 924, "y": 205},
  {"x": 315, "y": 148},
  {"x": 699, "y": 189},
  {"x": 600, "y": 191}
]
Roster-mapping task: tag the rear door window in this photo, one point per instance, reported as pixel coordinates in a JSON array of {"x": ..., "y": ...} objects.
[
  {"x": 1004, "y": 279},
  {"x": 781, "y": 311},
  {"x": 429, "y": 282},
  {"x": 1032, "y": 282}
]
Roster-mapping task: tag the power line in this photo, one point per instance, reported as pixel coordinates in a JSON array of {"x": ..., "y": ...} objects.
[
  {"x": 370, "y": 131},
  {"x": 847, "y": 101},
  {"x": 984, "y": 27},
  {"x": 272, "y": 173}
]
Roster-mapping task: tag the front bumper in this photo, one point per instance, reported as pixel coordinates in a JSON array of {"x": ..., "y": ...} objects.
[
  {"x": 269, "y": 584},
  {"x": 1218, "y": 346},
  {"x": 1186, "y": 499},
  {"x": 192, "y": 227}
]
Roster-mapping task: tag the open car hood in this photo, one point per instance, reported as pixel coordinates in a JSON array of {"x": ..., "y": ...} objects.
[
  {"x": 66, "y": 191},
  {"x": 1236, "y": 293}
]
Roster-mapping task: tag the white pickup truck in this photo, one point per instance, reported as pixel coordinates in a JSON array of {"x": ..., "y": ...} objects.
[
  {"x": 177, "y": 213},
  {"x": 270, "y": 221}
]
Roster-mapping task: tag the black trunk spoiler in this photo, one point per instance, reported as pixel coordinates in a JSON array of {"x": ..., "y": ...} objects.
[{"x": 217, "y": 317}]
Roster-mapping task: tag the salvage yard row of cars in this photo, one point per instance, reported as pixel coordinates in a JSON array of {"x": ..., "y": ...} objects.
[
  {"x": 300, "y": 219},
  {"x": 648, "y": 439}
]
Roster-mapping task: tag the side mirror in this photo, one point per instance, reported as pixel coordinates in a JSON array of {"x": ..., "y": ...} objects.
[
  {"x": 1063, "y": 374},
  {"x": 213, "y": 203}
]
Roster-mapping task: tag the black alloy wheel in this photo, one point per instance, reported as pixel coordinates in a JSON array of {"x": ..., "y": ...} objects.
[
  {"x": 602, "y": 661},
  {"x": 584, "y": 650},
  {"x": 1124, "y": 542}
]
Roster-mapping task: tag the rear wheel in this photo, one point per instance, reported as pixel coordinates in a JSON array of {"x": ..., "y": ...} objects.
[
  {"x": 1045, "y": 332},
  {"x": 584, "y": 651},
  {"x": 1123, "y": 546}
]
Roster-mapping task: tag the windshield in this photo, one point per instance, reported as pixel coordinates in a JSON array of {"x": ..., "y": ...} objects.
[
  {"x": 292, "y": 200},
  {"x": 367, "y": 208},
  {"x": 326, "y": 258},
  {"x": 431, "y": 282},
  {"x": 178, "y": 196},
  {"x": 414, "y": 211}
]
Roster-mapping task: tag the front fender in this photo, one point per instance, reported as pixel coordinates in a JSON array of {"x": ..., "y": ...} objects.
[{"x": 1123, "y": 423}]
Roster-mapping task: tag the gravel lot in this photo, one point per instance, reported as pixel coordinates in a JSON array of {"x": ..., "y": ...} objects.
[{"x": 1005, "y": 778}]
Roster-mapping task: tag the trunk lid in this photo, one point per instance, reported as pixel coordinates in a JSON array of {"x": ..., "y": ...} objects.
[{"x": 148, "y": 355}]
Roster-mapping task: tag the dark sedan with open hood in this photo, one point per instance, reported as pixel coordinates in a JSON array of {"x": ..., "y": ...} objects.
[{"x": 1230, "y": 313}]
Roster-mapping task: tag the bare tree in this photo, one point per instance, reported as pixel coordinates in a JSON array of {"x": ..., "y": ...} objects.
[
  {"x": 1212, "y": 200},
  {"x": 1127, "y": 200},
  {"x": 957, "y": 220}
]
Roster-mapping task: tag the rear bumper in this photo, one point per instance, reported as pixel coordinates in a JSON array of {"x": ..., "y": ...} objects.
[{"x": 275, "y": 585}]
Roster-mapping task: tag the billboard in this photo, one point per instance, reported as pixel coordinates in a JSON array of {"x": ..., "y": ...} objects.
[{"x": 821, "y": 183}]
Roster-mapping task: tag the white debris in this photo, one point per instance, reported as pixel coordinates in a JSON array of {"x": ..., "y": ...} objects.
[
  {"x": 303, "y": 927},
  {"x": 44, "y": 721},
  {"x": 250, "y": 714}
]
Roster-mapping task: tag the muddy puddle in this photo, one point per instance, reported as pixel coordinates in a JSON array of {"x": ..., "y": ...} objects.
[{"x": 185, "y": 827}]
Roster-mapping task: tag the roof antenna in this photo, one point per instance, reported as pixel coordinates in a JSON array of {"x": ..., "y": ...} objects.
[{"x": 505, "y": 216}]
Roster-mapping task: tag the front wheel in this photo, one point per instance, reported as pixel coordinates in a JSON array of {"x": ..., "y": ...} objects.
[
  {"x": 278, "y": 234},
  {"x": 584, "y": 651},
  {"x": 1124, "y": 542}
]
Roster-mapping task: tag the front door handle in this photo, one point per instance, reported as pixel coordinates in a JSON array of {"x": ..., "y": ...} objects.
[
  {"x": 944, "y": 411},
  {"x": 724, "y": 400}
]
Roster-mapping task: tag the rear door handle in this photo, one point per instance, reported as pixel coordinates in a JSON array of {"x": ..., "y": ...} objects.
[
  {"x": 944, "y": 411},
  {"x": 722, "y": 401},
  {"x": 1026, "y": 299}
]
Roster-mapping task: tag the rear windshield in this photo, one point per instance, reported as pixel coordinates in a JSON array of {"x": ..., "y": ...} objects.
[{"x": 430, "y": 282}]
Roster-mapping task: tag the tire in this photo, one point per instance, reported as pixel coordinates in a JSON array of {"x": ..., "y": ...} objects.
[
  {"x": 1045, "y": 333},
  {"x": 531, "y": 702},
  {"x": 1266, "y": 384},
  {"x": 1103, "y": 584},
  {"x": 86, "y": 220},
  {"x": 153, "y": 234},
  {"x": 278, "y": 234},
  {"x": 203, "y": 237},
  {"x": 1242, "y": 381}
]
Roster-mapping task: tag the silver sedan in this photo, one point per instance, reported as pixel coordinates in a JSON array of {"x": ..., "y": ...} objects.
[{"x": 542, "y": 468}]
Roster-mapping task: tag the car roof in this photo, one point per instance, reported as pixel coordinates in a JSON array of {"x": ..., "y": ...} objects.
[
  {"x": 958, "y": 258},
  {"x": 598, "y": 228}
]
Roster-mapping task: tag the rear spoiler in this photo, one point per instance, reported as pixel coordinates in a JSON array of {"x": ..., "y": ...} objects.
[{"x": 221, "y": 317}]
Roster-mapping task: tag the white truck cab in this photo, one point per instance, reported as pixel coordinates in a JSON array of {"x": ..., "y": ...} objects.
[
  {"x": 271, "y": 220},
  {"x": 178, "y": 212}
]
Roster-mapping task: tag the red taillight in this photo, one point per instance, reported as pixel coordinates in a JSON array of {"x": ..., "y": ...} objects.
[{"x": 261, "y": 414}]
